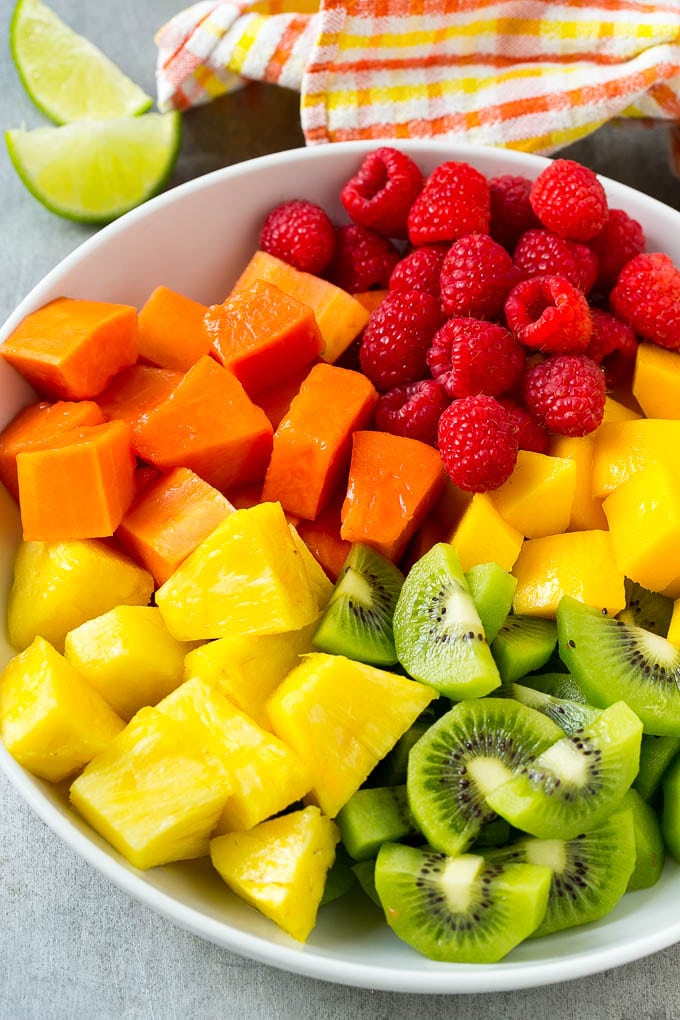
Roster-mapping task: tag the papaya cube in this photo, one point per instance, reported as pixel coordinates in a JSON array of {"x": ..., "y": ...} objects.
[
  {"x": 171, "y": 330},
  {"x": 577, "y": 563},
  {"x": 322, "y": 538},
  {"x": 483, "y": 536},
  {"x": 275, "y": 400},
  {"x": 656, "y": 381},
  {"x": 59, "y": 585},
  {"x": 342, "y": 717},
  {"x": 623, "y": 448},
  {"x": 170, "y": 519},
  {"x": 154, "y": 793},
  {"x": 280, "y": 866},
  {"x": 136, "y": 391},
  {"x": 127, "y": 655},
  {"x": 538, "y": 496},
  {"x": 265, "y": 774},
  {"x": 644, "y": 523},
  {"x": 586, "y": 509},
  {"x": 52, "y": 722},
  {"x": 246, "y": 577},
  {"x": 320, "y": 584}
]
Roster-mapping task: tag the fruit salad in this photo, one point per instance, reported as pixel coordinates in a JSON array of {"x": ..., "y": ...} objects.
[{"x": 366, "y": 580}]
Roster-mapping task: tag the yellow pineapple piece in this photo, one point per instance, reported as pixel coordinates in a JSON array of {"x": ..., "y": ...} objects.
[
  {"x": 538, "y": 496},
  {"x": 586, "y": 510},
  {"x": 155, "y": 793},
  {"x": 342, "y": 717},
  {"x": 52, "y": 722},
  {"x": 319, "y": 581},
  {"x": 482, "y": 536},
  {"x": 59, "y": 585},
  {"x": 247, "y": 577},
  {"x": 656, "y": 381},
  {"x": 623, "y": 448},
  {"x": 280, "y": 866},
  {"x": 129, "y": 656},
  {"x": 266, "y": 775},
  {"x": 248, "y": 668}
]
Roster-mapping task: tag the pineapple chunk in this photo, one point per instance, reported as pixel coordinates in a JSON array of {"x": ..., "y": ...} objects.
[
  {"x": 129, "y": 656},
  {"x": 247, "y": 669},
  {"x": 59, "y": 585},
  {"x": 155, "y": 794},
  {"x": 319, "y": 581},
  {"x": 266, "y": 776},
  {"x": 247, "y": 577},
  {"x": 52, "y": 722},
  {"x": 280, "y": 866},
  {"x": 342, "y": 717}
]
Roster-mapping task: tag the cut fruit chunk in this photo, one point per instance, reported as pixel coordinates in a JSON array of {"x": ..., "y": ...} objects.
[
  {"x": 373, "y": 816},
  {"x": 492, "y": 590},
  {"x": 650, "y": 851},
  {"x": 523, "y": 644},
  {"x": 570, "y": 716},
  {"x": 65, "y": 75},
  {"x": 656, "y": 755},
  {"x": 459, "y": 909},
  {"x": 94, "y": 171},
  {"x": 647, "y": 609}
]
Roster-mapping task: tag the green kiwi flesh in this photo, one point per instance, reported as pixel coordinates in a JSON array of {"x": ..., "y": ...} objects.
[
  {"x": 340, "y": 877},
  {"x": 614, "y": 661},
  {"x": 569, "y": 715},
  {"x": 670, "y": 812},
  {"x": 495, "y": 833},
  {"x": 492, "y": 590},
  {"x": 459, "y": 909},
  {"x": 559, "y": 685},
  {"x": 365, "y": 875},
  {"x": 357, "y": 621},
  {"x": 478, "y": 745},
  {"x": 590, "y": 872},
  {"x": 372, "y": 816},
  {"x": 577, "y": 782},
  {"x": 392, "y": 769},
  {"x": 650, "y": 851},
  {"x": 522, "y": 645},
  {"x": 656, "y": 754},
  {"x": 647, "y": 609},
  {"x": 438, "y": 634}
]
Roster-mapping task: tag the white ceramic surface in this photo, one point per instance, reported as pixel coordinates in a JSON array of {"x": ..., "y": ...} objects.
[{"x": 196, "y": 239}]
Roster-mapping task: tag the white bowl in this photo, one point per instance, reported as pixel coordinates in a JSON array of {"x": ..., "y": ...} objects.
[{"x": 196, "y": 239}]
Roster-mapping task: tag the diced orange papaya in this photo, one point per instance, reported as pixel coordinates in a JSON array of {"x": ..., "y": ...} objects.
[
  {"x": 136, "y": 391},
  {"x": 275, "y": 401},
  {"x": 322, "y": 538},
  {"x": 171, "y": 330}
]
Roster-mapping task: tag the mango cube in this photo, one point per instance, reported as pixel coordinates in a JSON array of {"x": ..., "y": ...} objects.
[
  {"x": 586, "y": 510},
  {"x": 341, "y": 717},
  {"x": 483, "y": 536},
  {"x": 577, "y": 563},
  {"x": 538, "y": 496},
  {"x": 52, "y": 722},
  {"x": 614, "y": 410},
  {"x": 656, "y": 381},
  {"x": 623, "y": 448},
  {"x": 280, "y": 866},
  {"x": 154, "y": 793}
]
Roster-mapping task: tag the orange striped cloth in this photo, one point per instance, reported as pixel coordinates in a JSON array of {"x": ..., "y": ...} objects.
[{"x": 527, "y": 74}]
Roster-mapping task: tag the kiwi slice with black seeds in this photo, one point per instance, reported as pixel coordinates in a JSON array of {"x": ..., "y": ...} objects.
[
  {"x": 523, "y": 644},
  {"x": 459, "y": 909},
  {"x": 492, "y": 590},
  {"x": 559, "y": 685},
  {"x": 357, "y": 621},
  {"x": 478, "y": 745},
  {"x": 656, "y": 754},
  {"x": 650, "y": 851},
  {"x": 438, "y": 634},
  {"x": 647, "y": 609},
  {"x": 590, "y": 872},
  {"x": 615, "y": 661},
  {"x": 371, "y": 817},
  {"x": 577, "y": 782},
  {"x": 569, "y": 715}
]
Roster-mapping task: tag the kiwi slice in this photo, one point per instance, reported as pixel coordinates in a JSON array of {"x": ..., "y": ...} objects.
[
  {"x": 656, "y": 754},
  {"x": 647, "y": 609},
  {"x": 459, "y": 909},
  {"x": 438, "y": 634},
  {"x": 615, "y": 661},
  {"x": 577, "y": 782},
  {"x": 478, "y": 745},
  {"x": 670, "y": 813},
  {"x": 357, "y": 621},
  {"x": 365, "y": 875},
  {"x": 340, "y": 877},
  {"x": 392, "y": 769},
  {"x": 523, "y": 644},
  {"x": 649, "y": 846},
  {"x": 559, "y": 685},
  {"x": 569, "y": 715},
  {"x": 492, "y": 590},
  {"x": 494, "y": 833},
  {"x": 590, "y": 872},
  {"x": 372, "y": 816}
]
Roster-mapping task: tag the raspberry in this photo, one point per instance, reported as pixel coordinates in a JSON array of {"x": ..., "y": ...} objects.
[
  {"x": 476, "y": 277},
  {"x": 569, "y": 200},
  {"x": 620, "y": 240},
  {"x": 382, "y": 191},
  {"x": 542, "y": 253},
  {"x": 397, "y": 338},
  {"x": 454, "y": 202},
  {"x": 470, "y": 356},
  {"x": 478, "y": 443},
  {"x": 530, "y": 435},
  {"x": 612, "y": 342},
  {"x": 511, "y": 212},
  {"x": 420, "y": 269},
  {"x": 412, "y": 410},
  {"x": 588, "y": 264},
  {"x": 547, "y": 313},
  {"x": 647, "y": 297},
  {"x": 566, "y": 394},
  {"x": 363, "y": 259},
  {"x": 301, "y": 234}
]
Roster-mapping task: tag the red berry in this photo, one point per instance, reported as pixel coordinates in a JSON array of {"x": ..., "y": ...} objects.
[
  {"x": 471, "y": 356},
  {"x": 588, "y": 264},
  {"x": 566, "y": 394},
  {"x": 301, "y": 234},
  {"x": 620, "y": 240},
  {"x": 569, "y": 199},
  {"x": 363, "y": 259},
  {"x": 412, "y": 410},
  {"x": 454, "y": 202},
  {"x": 542, "y": 253},
  {"x": 476, "y": 276},
  {"x": 530, "y": 435},
  {"x": 613, "y": 345},
  {"x": 382, "y": 191},
  {"x": 547, "y": 313},
  {"x": 397, "y": 338},
  {"x": 420, "y": 269},
  {"x": 478, "y": 443},
  {"x": 511, "y": 212},
  {"x": 647, "y": 297}
]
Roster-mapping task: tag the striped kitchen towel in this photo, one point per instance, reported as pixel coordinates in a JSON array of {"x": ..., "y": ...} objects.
[{"x": 526, "y": 74}]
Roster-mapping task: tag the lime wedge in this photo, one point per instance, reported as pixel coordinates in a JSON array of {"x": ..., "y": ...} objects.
[
  {"x": 95, "y": 170},
  {"x": 66, "y": 76}
]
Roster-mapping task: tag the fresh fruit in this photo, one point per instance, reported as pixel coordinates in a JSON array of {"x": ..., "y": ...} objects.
[
  {"x": 511, "y": 212},
  {"x": 300, "y": 233},
  {"x": 647, "y": 609},
  {"x": 646, "y": 296},
  {"x": 454, "y": 202},
  {"x": 620, "y": 240},
  {"x": 566, "y": 394},
  {"x": 363, "y": 259},
  {"x": 569, "y": 199},
  {"x": 492, "y": 589},
  {"x": 476, "y": 277},
  {"x": 538, "y": 497},
  {"x": 382, "y": 191},
  {"x": 549, "y": 314},
  {"x": 522, "y": 645},
  {"x": 670, "y": 812},
  {"x": 412, "y": 410},
  {"x": 373, "y": 816},
  {"x": 650, "y": 851},
  {"x": 482, "y": 535},
  {"x": 656, "y": 381},
  {"x": 420, "y": 269},
  {"x": 478, "y": 443},
  {"x": 397, "y": 338},
  {"x": 656, "y": 754},
  {"x": 570, "y": 716},
  {"x": 542, "y": 253},
  {"x": 468, "y": 356},
  {"x": 170, "y": 330}
]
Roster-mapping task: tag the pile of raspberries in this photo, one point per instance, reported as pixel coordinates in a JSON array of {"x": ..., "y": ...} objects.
[{"x": 511, "y": 305}]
